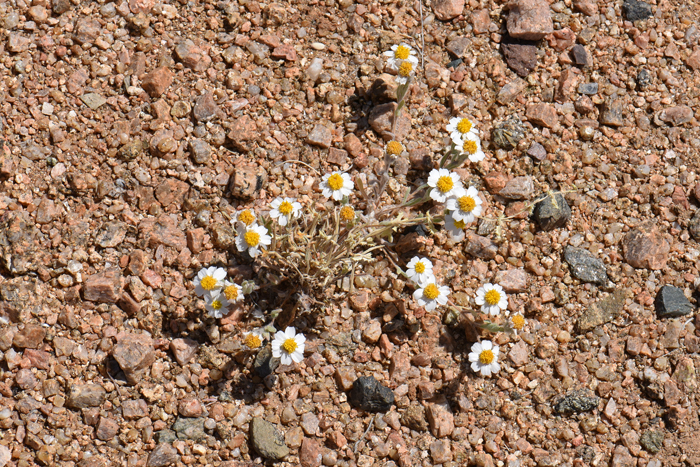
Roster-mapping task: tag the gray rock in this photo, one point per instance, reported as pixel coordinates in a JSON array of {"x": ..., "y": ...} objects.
[
  {"x": 578, "y": 401},
  {"x": 694, "y": 226},
  {"x": 93, "y": 100},
  {"x": 320, "y": 136},
  {"x": 111, "y": 234},
  {"x": 267, "y": 440},
  {"x": 538, "y": 152},
  {"x": 579, "y": 54},
  {"x": 165, "y": 436},
  {"x": 584, "y": 266},
  {"x": 200, "y": 151},
  {"x": 643, "y": 79},
  {"x": 205, "y": 108},
  {"x": 588, "y": 88},
  {"x": 163, "y": 454},
  {"x": 552, "y": 212},
  {"x": 264, "y": 364},
  {"x": 367, "y": 394},
  {"x": 314, "y": 70},
  {"x": 652, "y": 441},
  {"x": 189, "y": 428},
  {"x": 671, "y": 303},
  {"x": 82, "y": 396},
  {"x": 518, "y": 188},
  {"x": 635, "y": 11}
]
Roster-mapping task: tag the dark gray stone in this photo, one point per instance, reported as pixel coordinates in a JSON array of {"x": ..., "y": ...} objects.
[
  {"x": 584, "y": 266},
  {"x": 165, "y": 436},
  {"x": 578, "y": 401},
  {"x": 367, "y": 394},
  {"x": 264, "y": 364},
  {"x": 588, "y": 88},
  {"x": 694, "y": 226},
  {"x": 671, "y": 303},
  {"x": 652, "y": 441},
  {"x": 643, "y": 79},
  {"x": 189, "y": 428},
  {"x": 552, "y": 212},
  {"x": 267, "y": 440},
  {"x": 635, "y": 11},
  {"x": 580, "y": 56},
  {"x": 520, "y": 57},
  {"x": 200, "y": 151},
  {"x": 205, "y": 108}
]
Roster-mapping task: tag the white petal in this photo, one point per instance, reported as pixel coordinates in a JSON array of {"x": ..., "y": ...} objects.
[
  {"x": 473, "y": 357},
  {"x": 300, "y": 339},
  {"x": 475, "y": 367},
  {"x": 487, "y": 345},
  {"x": 285, "y": 359},
  {"x": 297, "y": 356}
]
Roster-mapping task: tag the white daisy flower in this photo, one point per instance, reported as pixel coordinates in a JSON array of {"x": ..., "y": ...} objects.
[
  {"x": 284, "y": 209},
  {"x": 253, "y": 339},
  {"x": 288, "y": 346},
  {"x": 216, "y": 304},
  {"x": 484, "y": 358},
  {"x": 444, "y": 184},
  {"x": 492, "y": 299},
  {"x": 470, "y": 144},
  {"x": 465, "y": 206},
  {"x": 420, "y": 270},
  {"x": 405, "y": 72},
  {"x": 245, "y": 217},
  {"x": 399, "y": 54},
  {"x": 430, "y": 295},
  {"x": 232, "y": 291},
  {"x": 208, "y": 280},
  {"x": 251, "y": 238},
  {"x": 455, "y": 228},
  {"x": 337, "y": 185},
  {"x": 459, "y": 127},
  {"x": 517, "y": 323}
]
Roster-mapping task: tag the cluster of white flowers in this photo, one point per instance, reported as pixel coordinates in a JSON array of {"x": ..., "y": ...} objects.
[
  {"x": 465, "y": 138},
  {"x": 428, "y": 293},
  {"x": 339, "y": 186},
  {"x": 403, "y": 60},
  {"x": 463, "y": 205},
  {"x": 218, "y": 292},
  {"x": 251, "y": 236}
]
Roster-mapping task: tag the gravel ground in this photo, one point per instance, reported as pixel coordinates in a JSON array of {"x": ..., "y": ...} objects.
[{"x": 132, "y": 132}]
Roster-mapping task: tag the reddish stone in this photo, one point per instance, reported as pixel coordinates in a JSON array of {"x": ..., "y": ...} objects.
[
  {"x": 512, "y": 280},
  {"x": 29, "y": 337},
  {"x": 134, "y": 409},
  {"x": 587, "y": 7},
  {"x": 171, "y": 191},
  {"x": 106, "y": 429},
  {"x": 445, "y": 10},
  {"x": 162, "y": 230},
  {"x": 529, "y": 19},
  {"x": 440, "y": 419},
  {"x": 157, "y": 81},
  {"x": 310, "y": 453},
  {"x": 134, "y": 353},
  {"x": 481, "y": 21},
  {"x": 542, "y": 114},
  {"x": 562, "y": 39},
  {"x": 184, "y": 350},
  {"x": 104, "y": 287},
  {"x": 645, "y": 247},
  {"x": 191, "y": 408},
  {"x": 284, "y": 52},
  {"x": 195, "y": 240},
  {"x": 38, "y": 358},
  {"x": 151, "y": 279},
  {"x": 567, "y": 84},
  {"x": 192, "y": 56}
]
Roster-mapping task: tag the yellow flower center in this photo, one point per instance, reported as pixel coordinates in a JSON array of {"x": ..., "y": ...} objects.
[
  {"x": 217, "y": 305},
  {"x": 486, "y": 357},
  {"x": 231, "y": 292},
  {"x": 290, "y": 345},
  {"x": 402, "y": 52},
  {"x": 460, "y": 225},
  {"x": 394, "y": 148},
  {"x": 335, "y": 181},
  {"x": 431, "y": 292},
  {"x": 285, "y": 208},
  {"x": 405, "y": 69},
  {"x": 252, "y": 341},
  {"x": 252, "y": 238},
  {"x": 208, "y": 283},
  {"x": 518, "y": 322},
  {"x": 469, "y": 147},
  {"x": 246, "y": 217},
  {"x": 445, "y": 183},
  {"x": 492, "y": 297},
  {"x": 466, "y": 204},
  {"x": 464, "y": 126},
  {"x": 347, "y": 213},
  {"x": 420, "y": 267}
]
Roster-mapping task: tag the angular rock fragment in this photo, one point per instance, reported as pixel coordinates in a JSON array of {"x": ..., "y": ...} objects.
[
  {"x": 267, "y": 440},
  {"x": 529, "y": 19},
  {"x": 368, "y": 394},
  {"x": 671, "y": 302},
  {"x": 552, "y": 212},
  {"x": 584, "y": 266},
  {"x": 134, "y": 353},
  {"x": 578, "y": 401}
]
